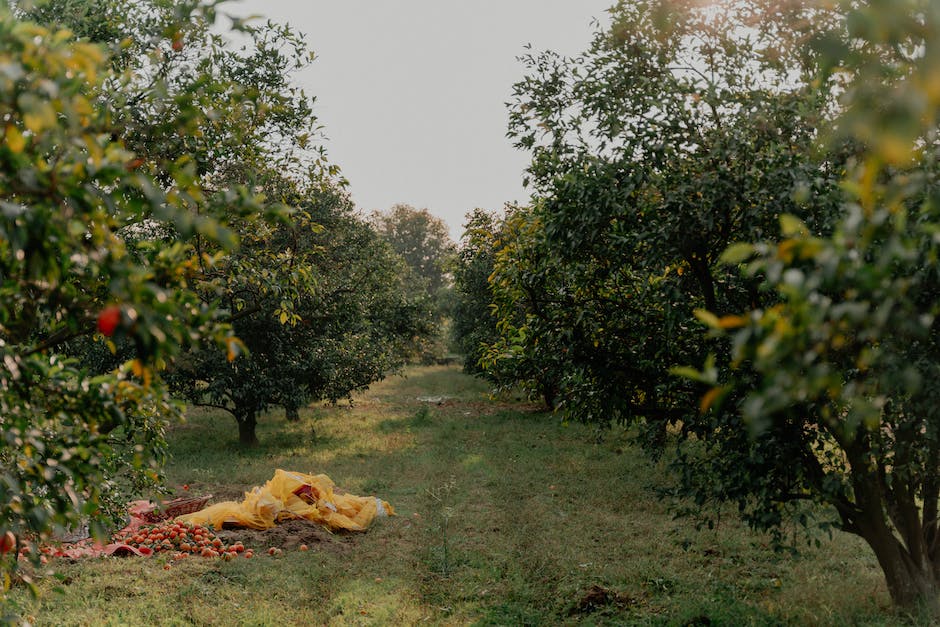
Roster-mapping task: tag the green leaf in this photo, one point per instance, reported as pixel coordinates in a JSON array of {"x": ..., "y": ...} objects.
[
  {"x": 38, "y": 114},
  {"x": 707, "y": 318},
  {"x": 688, "y": 372},
  {"x": 791, "y": 226},
  {"x": 737, "y": 253}
]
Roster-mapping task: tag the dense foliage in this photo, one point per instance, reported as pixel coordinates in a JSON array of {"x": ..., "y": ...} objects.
[
  {"x": 317, "y": 319},
  {"x": 77, "y": 256},
  {"x": 349, "y": 326},
  {"x": 161, "y": 186},
  {"x": 732, "y": 244},
  {"x": 684, "y": 131},
  {"x": 474, "y": 325},
  {"x": 837, "y": 377},
  {"x": 423, "y": 242},
  {"x": 665, "y": 142}
]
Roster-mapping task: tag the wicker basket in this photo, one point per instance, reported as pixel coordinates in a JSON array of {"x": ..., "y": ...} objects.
[{"x": 174, "y": 508}]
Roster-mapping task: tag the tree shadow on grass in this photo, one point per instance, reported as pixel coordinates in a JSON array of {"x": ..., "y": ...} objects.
[
  {"x": 438, "y": 381},
  {"x": 521, "y": 483},
  {"x": 210, "y": 440}
]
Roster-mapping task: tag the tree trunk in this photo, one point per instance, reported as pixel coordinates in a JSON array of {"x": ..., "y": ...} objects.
[
  {"x": 549, "y": 394},
  {"x": 291, "y": 413},
  {"x": 911, "y": 587},
  {"x": 246, "y": 428},
  {"x": 706, "y": 282},
  {"x": 908, "y": 565}
]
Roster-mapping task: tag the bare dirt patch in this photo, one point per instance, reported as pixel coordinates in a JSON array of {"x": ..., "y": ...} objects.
[
  {"x": 598, "y": 598},
  {"x": 289, "y": 535},
  {"x": 490, "y": 408},
  {"x": 227, "y": 493}
]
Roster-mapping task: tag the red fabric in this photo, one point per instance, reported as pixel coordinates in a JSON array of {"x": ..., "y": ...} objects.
[{"x": 91, "y": 548}]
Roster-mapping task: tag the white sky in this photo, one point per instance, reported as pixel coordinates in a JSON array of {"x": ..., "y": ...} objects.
[{"x": 412, "y": 92}]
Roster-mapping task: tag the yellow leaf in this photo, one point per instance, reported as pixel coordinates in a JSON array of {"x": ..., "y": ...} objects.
[
  {"x": 38, "y": 115},
  {"x": 931, "y": 84},
  {"x": 15, "y": 140},
  {"x": 732, "y": 322},
  {"x": 894, "y": 149},
  {"x": 810, "y": 248},
  {"x": 709, "y": 398},
  {"x": 706, "y": 317},
  {"x": 785, "y": 250},
  {"x": 790, "y": 225},
  {"x": 81, "y": 105},
  {"x": 737, "y": 253},
  {"x": 95, "y": 153},
  {"x": 85, "y": 58},
  {"x": 235, "y": 348}
]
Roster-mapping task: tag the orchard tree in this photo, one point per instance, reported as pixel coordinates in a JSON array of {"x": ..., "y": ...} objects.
[
  {"x": 678, "y": 132},
  {"x": 423, "y": 242},
  {"x": 76, "y": 443},
  {"x": 833, "y": 398},
  {"x": 344, "y": 331},
  {"x": 684, "y": 130},
  {"x": 496, "y": 346},
  {"x": 130, "y": 161},
  {"x": 474, "y": 325},
  {"x": 258, "y": 132}
]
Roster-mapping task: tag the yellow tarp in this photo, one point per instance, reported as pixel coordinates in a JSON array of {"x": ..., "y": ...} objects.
[{"x": 294, "y": 495}]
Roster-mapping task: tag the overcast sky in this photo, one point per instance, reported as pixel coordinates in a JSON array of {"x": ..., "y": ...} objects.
[{"x": 412, "y": 92}]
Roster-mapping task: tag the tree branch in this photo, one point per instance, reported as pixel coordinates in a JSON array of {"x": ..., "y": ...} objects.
[{"x": 59, "y": 337}]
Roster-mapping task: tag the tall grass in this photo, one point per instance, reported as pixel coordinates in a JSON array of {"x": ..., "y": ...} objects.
[{"x": 505, "y": 516}]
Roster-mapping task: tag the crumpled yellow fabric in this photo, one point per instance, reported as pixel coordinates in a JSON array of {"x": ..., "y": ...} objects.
[{"x": 294, "y": 495}]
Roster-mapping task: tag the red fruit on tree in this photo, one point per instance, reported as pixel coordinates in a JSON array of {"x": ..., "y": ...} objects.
[
  {"x": 133, "y": 164},
  {"x": 7, "y": 542},
  {"x": 108, "y": 319}
]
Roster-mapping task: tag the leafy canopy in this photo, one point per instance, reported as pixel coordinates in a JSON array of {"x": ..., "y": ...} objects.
[
  {"x": 684, "y": 135},
  {"x": 76, "y": 241}
]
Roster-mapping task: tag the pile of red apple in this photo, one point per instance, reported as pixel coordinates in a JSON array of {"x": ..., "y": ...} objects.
[
  {"x": 182, "y": 541},
  {"x": 176, "y": 540}
]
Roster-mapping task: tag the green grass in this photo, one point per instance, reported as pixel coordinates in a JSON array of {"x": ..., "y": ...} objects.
[{"x": 505, "y": 517}]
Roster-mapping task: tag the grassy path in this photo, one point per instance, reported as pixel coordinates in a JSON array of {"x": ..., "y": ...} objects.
[{"x": 505, "y": 516}]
